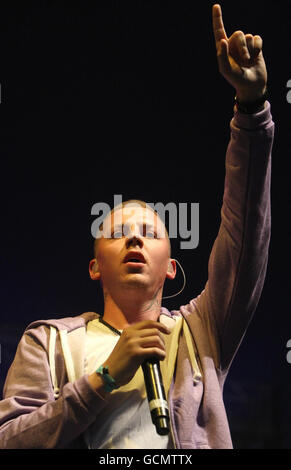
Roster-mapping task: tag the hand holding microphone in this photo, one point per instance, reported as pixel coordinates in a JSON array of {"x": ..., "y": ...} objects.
[{"x": 142, "y": 345}]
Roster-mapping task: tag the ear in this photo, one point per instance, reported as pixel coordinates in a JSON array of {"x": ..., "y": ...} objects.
[
  {"x": 94, "y": 270},
  {"x": 171, "y": 272}
]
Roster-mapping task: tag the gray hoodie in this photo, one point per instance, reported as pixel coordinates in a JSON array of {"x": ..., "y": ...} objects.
[{"x": 48, "y": 401}]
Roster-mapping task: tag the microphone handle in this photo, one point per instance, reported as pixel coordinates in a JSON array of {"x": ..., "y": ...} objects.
[{"x": 156, "y": 396}]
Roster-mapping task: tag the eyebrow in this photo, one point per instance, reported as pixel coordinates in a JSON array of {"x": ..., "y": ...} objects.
[{"x": 140, "y": 224}]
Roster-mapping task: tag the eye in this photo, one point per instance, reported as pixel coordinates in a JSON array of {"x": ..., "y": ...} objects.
[
  {"x": 117, "y": 234},
  {"x": 150, "y": 233}
]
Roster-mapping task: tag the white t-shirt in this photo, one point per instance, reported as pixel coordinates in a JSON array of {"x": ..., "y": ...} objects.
[{"x": 125, "y": 423}]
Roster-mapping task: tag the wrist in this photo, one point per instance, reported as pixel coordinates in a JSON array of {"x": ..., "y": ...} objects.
[
  {"x": 97, "y": 385},
  {"x": 109, "y": 381},
  {"x": 251, "y": 106},
  {"x": 250, "y": 96}
]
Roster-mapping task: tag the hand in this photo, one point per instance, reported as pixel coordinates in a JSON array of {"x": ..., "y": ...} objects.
[
  {"x": 136, "y": 344},
  {"x": 240, "y": 60}
]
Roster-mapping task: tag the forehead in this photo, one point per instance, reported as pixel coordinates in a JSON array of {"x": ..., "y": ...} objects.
[
  {"x": 133, "y": 217},
  {"x": 129, "y": 214}
]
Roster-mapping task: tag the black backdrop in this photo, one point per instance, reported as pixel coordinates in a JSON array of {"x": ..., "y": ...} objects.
[{"x": 126, "y": 98}]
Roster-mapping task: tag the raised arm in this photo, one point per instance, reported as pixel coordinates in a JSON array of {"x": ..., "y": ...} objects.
[{"x": 238, "y": 261}]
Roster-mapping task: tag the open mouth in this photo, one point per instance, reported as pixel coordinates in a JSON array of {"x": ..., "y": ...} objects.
[{"x": 136, "y": 258}]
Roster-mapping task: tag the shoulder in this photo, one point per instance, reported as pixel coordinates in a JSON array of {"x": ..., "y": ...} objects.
[{"x": 39, "y": 329}]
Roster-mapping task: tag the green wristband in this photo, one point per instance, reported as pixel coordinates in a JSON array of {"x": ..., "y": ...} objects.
[{"x": 110, "y": 383}]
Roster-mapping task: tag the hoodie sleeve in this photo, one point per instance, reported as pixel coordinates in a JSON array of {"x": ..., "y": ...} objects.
[
  {"x": 239, "y": 257},
  {"x": 30, "y": 417}
]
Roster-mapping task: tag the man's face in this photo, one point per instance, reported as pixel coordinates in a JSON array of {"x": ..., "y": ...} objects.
[{"x": 134, "y": 251}]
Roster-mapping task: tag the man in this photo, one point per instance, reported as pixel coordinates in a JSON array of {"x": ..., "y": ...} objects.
[{"x": 53, "y": 396}]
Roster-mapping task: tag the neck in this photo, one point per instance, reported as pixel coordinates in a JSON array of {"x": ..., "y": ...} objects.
[{"x": 123, "y": 312}]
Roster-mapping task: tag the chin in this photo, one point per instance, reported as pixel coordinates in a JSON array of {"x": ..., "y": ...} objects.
[{"x": 136, "y": 281}]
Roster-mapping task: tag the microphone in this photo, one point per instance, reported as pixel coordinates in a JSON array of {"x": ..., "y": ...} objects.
[{"x": 156, "y": 396}]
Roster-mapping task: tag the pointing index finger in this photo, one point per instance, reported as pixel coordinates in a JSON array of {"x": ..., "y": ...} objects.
[{"x": 218, "y": 27}]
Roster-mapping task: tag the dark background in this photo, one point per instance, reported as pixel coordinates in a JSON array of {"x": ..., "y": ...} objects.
[{"x": 125, "y": 98}]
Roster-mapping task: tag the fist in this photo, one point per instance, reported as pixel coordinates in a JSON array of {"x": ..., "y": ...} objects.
[{"x": 137, "y": 343}]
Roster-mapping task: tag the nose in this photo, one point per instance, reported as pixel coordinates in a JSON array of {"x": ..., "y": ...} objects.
[{"x": 133, "y": 239}]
